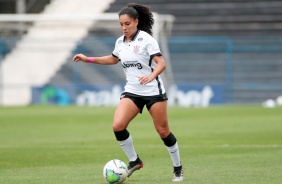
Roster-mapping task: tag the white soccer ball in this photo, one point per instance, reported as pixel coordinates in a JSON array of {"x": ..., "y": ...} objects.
[{"x": 115, "y": 171}]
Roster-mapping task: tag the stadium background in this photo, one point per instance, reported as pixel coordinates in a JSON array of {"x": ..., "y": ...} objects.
[
  {"x": 219, "y": 52},
  {"x": 227, "y": 50}
]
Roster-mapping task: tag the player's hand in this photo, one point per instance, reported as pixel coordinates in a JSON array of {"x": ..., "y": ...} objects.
[
  {"x": 144, "y": 80},
  {"x": 80, "y": 57}
]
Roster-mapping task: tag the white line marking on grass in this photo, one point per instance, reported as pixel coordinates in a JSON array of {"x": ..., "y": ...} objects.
[
  {"x": 147, "y": 145},
  {"x": 223, "y": 146}
]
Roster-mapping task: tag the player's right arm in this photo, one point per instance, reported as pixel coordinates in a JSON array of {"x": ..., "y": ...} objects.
[{"x": 104, "y": 60}]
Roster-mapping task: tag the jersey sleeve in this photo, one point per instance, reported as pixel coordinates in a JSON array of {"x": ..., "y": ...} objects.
[
  {"x": 115, "y": 53},
  {"x": 153, "y": 48}
]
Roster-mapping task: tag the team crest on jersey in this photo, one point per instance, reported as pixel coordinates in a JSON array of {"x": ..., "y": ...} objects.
[{"x": 136, "y": 49}]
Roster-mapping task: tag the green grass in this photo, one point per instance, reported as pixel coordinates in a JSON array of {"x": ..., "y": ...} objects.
[{"x": 70, "y": 145}]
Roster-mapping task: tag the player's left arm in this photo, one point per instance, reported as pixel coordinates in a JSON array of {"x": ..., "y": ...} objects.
[{"x": 160, "y": 67}]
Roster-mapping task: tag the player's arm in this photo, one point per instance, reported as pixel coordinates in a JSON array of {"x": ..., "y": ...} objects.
[
  {"x": 104, "y": 60},
  {"x": 160, "y": 67}
]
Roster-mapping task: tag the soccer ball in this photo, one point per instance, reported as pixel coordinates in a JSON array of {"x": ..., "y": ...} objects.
[{"x": 115, "y": 171}]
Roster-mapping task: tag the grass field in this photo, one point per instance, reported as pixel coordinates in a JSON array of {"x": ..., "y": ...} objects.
[{"x": 70, "y": 145}]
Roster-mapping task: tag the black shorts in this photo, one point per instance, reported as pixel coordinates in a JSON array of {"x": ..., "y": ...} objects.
[{"x": 141, "y": 101}]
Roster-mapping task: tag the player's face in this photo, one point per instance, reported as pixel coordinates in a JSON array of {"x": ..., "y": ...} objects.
[{"x": 128, "y": 25}]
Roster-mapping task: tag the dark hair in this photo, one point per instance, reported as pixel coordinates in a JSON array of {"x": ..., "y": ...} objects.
[{"x": 142, "y": 13}]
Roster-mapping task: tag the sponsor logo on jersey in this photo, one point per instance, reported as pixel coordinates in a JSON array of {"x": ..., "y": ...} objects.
[{"x": 132, "y": 64}]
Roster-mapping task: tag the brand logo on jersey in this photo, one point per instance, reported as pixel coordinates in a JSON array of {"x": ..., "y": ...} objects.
[
  {"x": 140, "y": 39},
  {"x": 131, "y": 64},
  {"x": 136, "y": 49},
  {"x": 120, "y": 41}
]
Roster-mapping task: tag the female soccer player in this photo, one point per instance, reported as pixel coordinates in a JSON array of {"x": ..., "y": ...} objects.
[{"x": 140, "y": 56}]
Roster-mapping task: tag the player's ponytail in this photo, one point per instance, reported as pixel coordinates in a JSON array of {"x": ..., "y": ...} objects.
[{"x": 142, "y": 13}]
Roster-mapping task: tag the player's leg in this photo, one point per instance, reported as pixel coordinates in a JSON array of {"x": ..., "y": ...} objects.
[
  {"x": 125, "y": 112},
  {"x": 158, "y": 112}
]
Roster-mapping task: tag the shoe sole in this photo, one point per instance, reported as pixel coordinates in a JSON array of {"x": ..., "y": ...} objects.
[
  {"x": 133, "y": 169},
  {"x": 178, "y": 179}
]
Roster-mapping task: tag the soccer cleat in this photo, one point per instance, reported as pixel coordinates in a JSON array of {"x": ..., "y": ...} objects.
[
  {"x": 134, "y": 165},
  {"x": 177, "y": 174}
]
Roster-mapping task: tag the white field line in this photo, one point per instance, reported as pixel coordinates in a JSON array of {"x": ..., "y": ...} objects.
[
  {"x": 143, "y": 145},
  {"x": 222, "y": 146}
]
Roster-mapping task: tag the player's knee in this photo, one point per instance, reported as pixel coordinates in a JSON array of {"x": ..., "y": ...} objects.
[
  {"x": 163, "y": 132},
  {"x": 118, "y": 126}
]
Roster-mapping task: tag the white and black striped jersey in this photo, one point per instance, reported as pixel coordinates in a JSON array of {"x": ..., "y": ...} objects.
[{"x": 136, "y": 58}]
